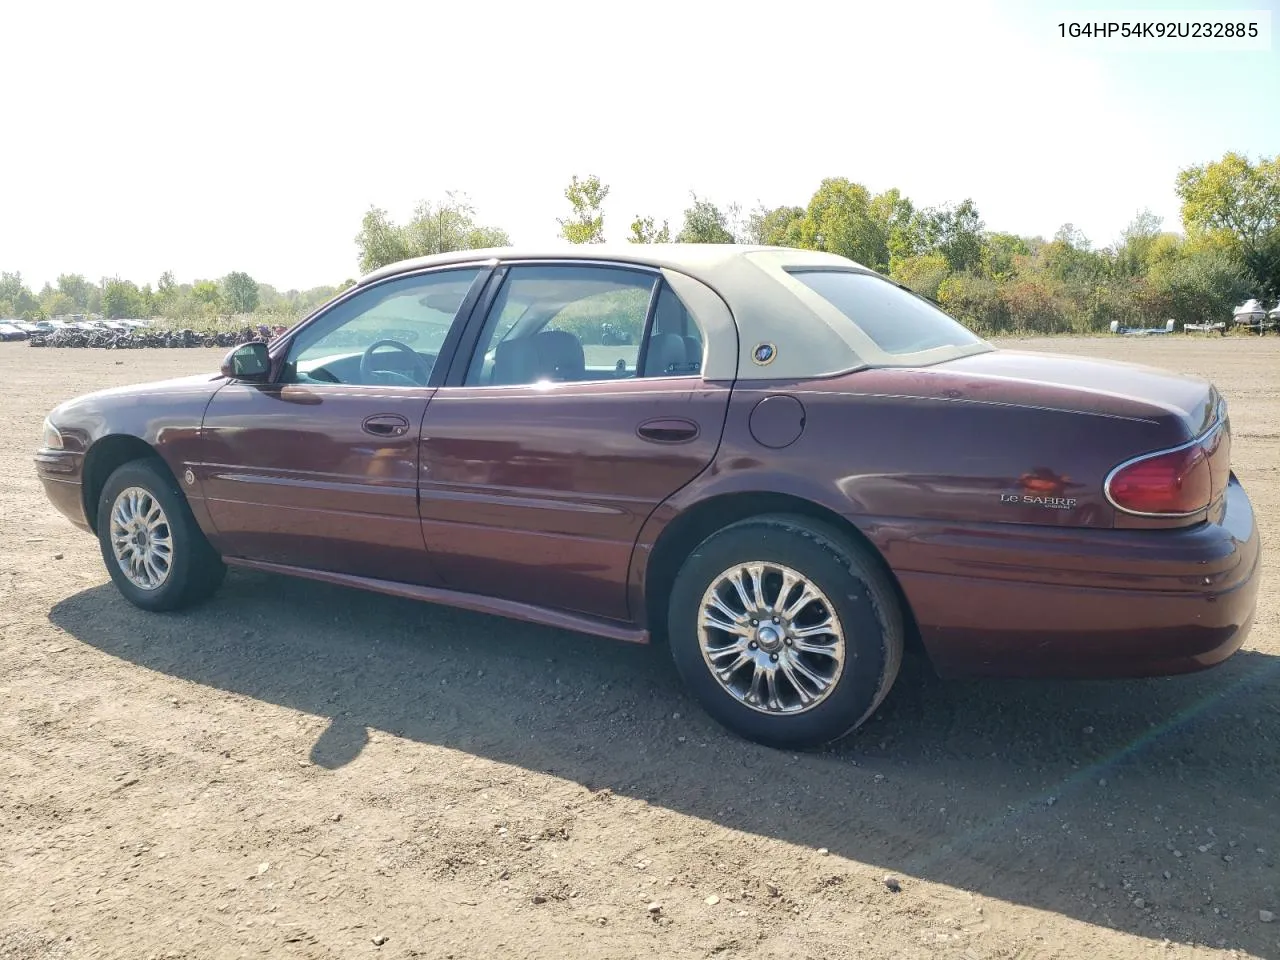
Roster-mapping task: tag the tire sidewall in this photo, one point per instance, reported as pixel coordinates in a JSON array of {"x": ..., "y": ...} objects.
[
  {"x": 155, "y": 479},
  {"x": 856, "y": 593}
]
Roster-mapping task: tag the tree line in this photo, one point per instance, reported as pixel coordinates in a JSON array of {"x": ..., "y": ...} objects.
[
  {"x": 111, "y": 297},
  {"x": 1228, "y": 250}
]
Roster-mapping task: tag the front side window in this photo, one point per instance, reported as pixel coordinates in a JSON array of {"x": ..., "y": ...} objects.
[
  {"x": 897, "y": 322},
  {"x": 388, "y": 335}
]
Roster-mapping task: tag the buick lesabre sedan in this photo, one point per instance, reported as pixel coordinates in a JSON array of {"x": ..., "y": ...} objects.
[{"x": 780, "y": 462}]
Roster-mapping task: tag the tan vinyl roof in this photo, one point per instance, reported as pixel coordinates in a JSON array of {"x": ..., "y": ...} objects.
[{"x": 809, "y": 336}]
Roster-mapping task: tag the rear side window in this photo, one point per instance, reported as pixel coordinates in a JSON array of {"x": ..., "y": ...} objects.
[{"x": 896, "y": 321}]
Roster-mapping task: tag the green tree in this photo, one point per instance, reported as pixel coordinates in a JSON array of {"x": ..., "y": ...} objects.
[
  {"x": 122, "y": 298},
  {"x": 956, "y": 233},
  {"x": 1241, "y": 200},
  {"x": 77, "y": 288},
  {"x": 1137, "y": 240},
  {"x": 380, "y": 241},
  {"x": 207, "y": 295},
  {"x": 644, "y": 231},
  {"x": 240, "y": 292},
  {"x": 839, "y": 220},
  {"x": 435, "y": 228},
  {"x": 1001, "y": 253},
  {"x": 1203, "y": 283},
  {"x": 894, "y": 216},
  {"x": 1070, "y": 257},
  {"x": 704, "y": 222},
  {"x": 21, "y": 302},
  {"x": 58, "y": 305},
  {"x": 586, "y": 222},
  {"x": 777, "y": 227},
  {"x": 447, "y": 226}
]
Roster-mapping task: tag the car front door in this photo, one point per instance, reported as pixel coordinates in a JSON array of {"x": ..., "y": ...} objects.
[
  {"x": 579, "y": 409},
  {"x": 319, "y": 467}
]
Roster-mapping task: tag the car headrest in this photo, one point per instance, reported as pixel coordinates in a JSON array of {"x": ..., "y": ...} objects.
[
  {"x": 667, "y": 356},
  {"x": 693, "y": 352},
  {"x": 549, "y": 355},
  {"x": 560, "y": 355}
]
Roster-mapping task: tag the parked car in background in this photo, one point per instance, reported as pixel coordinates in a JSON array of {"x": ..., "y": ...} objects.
[
  {"x": 11, "y": 331},
  {"x": 779, "y": 462}
]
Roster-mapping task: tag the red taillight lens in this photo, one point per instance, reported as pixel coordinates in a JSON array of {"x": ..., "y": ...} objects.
[{"x": 1169, "y": 484}]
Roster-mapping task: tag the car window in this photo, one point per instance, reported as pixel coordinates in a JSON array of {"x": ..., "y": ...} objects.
[
  {"x": 675, "y": 341},
  {"x": 895, "y": 320},
  {"x": 389, "y": 335},
  {"x": 563, "y": 323}
]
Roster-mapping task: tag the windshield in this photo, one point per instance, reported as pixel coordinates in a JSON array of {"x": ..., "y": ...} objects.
[{"x": 897, "y": 321}]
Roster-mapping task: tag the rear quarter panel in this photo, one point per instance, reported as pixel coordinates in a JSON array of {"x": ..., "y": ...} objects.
[
  {"x": 870, "y": 445},
  {"x": 883, "y": 446}
]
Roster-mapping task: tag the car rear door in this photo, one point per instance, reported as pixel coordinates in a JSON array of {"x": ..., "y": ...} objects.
[{"x": 579, "y": 408}]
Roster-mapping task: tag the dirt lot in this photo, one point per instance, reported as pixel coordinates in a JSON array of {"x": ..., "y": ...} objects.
[{"x": 300, "y": 770}]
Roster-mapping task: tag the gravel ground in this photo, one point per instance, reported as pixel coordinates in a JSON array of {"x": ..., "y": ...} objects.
[{"x": 301, "y": 770}]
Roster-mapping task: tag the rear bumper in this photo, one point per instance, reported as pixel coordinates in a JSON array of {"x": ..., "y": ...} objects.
[
  {"x": 60, "y": 473},
  {"x": 1047, "y": 602}
]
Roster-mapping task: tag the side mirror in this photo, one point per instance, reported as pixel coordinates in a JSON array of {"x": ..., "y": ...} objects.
[{"x": 249, "y": 361}]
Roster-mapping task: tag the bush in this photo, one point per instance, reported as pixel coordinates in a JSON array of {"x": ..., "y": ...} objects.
[
  {"x": 924, "y": 273},
  {"x": 1201, "y": 286},
  {"x": 975, "y": 301},
  {"x": 1034, "y": 307}
]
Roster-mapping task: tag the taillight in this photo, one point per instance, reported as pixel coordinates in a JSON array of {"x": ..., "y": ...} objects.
[{"x": 1170, "y": 483}]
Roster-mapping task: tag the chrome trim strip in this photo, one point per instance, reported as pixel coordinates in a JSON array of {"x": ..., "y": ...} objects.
[
  {"x": 580, "y": 262},
  {"x": 1106, "y": 484}
]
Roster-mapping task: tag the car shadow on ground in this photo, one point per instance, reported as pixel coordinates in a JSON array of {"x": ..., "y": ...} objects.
[{"x": 1051, "y": 795}]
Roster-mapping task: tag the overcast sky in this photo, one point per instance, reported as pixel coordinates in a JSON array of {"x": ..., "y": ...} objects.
[{"x": 204, "y": 138}]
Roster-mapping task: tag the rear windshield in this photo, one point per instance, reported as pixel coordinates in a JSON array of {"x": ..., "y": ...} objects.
[{"x": 895, "y": 320}]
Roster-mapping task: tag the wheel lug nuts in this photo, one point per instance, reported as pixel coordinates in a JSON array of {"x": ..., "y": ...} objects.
[
  {"x": 755, "y": 623},
  {"x": 776, "y": 620},
  {"x": 773, "y": 657},
  {"x": 752, "y": 645},
  {"x": 787, "y": 641}
]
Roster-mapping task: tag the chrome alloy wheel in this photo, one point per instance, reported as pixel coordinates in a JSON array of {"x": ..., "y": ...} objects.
[
  {"x": 141, "y": 538},
  {"x": 771, "y": 638}
]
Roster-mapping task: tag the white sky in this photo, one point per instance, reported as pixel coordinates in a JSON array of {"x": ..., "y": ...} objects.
[{"x": 205, "y": 138}]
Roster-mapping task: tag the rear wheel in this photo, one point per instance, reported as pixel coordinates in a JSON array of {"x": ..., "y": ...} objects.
[
  {"x": 154, "y": 550},
  {"x": 786, "y": 632}
]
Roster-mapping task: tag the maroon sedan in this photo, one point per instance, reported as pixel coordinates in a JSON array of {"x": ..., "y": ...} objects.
[{"x": 783, "y": 463}]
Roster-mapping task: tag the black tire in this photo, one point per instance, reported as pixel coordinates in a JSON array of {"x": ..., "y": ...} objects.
[
  {"x": 864, "y": 603},
  {"x": 195, "y": 571}
]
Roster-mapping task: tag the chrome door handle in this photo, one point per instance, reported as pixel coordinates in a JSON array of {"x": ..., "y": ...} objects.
[
  {"x": 668, "y": 430},
  {"x": 385, "y": 425}
]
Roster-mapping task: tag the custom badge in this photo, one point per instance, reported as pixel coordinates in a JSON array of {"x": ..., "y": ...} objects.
[{"x": 763, "y": 353}]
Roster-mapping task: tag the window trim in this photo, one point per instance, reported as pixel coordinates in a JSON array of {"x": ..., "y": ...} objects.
[
  {"x": 280, "y": 347},
  {"x": 462, "y": 358}
]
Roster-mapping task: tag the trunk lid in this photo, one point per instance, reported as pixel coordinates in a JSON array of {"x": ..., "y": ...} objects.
[
  {"x": 1054, "y": 429},
  {"x": 1085, "y": 385}
]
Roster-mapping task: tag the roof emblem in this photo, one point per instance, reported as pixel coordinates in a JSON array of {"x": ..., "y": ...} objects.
[{"x": 763, "y": 353}]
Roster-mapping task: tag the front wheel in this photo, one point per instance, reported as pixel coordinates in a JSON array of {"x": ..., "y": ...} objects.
[
  {"x": 151, "y": 544},
  {"x": 786, "y": 632}
]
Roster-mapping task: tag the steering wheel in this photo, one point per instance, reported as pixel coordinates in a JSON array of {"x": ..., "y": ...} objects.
[{"x": 371, "y": 374}]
